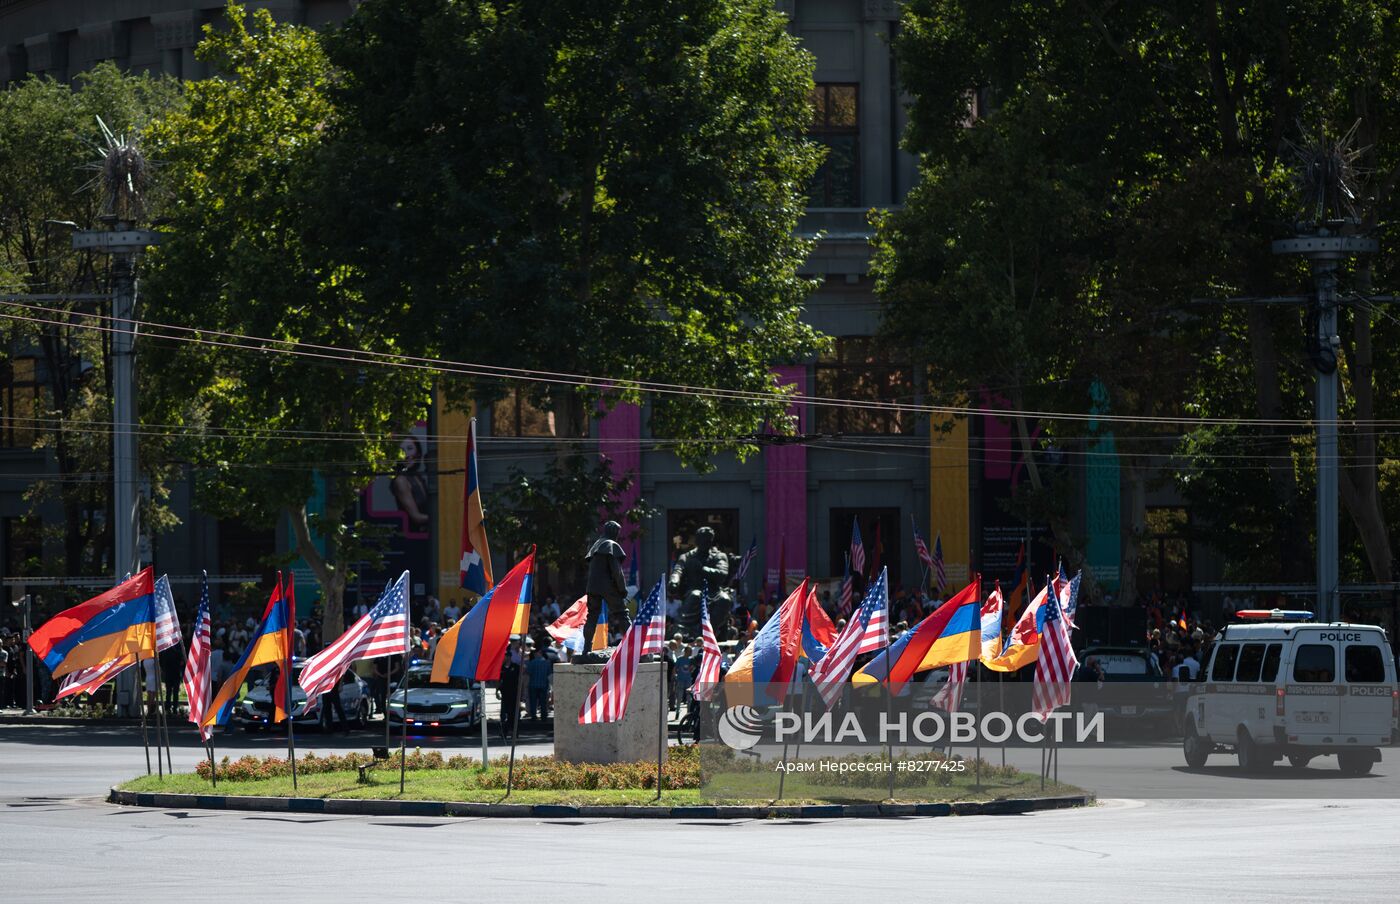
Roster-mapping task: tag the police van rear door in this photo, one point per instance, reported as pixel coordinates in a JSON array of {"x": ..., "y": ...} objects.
[
  {"x": 1312, "y": 701},
  {"x": 1369, "y": 676}
]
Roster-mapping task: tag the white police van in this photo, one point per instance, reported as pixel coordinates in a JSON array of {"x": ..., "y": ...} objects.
[{"x": 1280, "y": 686}]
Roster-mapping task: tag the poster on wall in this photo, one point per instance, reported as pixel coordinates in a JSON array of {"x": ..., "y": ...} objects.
[{"x": 399, "y": 505}]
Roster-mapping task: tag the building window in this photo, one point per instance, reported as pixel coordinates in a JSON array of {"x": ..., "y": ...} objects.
[
  {"x": 836, "y": 127},
  {"x": 514, "y": 414},
  {"x": 859, "y": 371},
  {"x": 19, "y": 404},
  {"x": 1165, "y": 562}
]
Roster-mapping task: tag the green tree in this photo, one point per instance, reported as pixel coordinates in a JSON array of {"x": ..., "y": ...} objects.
[
  {"x": 1125, "y": 159},
  {"x": 271, "y": 432},
  {"x": 601, "y": 187},
  {"x": 50, "y": 138}
]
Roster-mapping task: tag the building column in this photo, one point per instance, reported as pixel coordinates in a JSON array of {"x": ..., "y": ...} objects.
[{"x": 876, "y": 114}]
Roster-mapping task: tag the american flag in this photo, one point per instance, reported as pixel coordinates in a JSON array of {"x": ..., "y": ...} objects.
[
  {"x": 866, "y": 632},
  {"x": 1056, "y": 662},
  {"x": 940, "y": 574},
  {"x": 920, "y": 547},
  {"x": 749, "y": 555},
  {"x": 85, "y": 681},
  {"x": 707, "y": 677},
  {"x": 1070, "y": 596},
  {"x": 383, "y": 631},
  {"x": 607, "y": 698},
  {"x": 949, "y": 696},
  {"x": 857, "y": 548},
  {"x": 198, "y": 680}
]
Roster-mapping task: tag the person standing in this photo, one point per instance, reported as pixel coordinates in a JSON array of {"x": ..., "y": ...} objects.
[
  {"x": 172, "y": 669},
  {"x": 509, "y": 693},
  {"x": 539, "y": 669}
]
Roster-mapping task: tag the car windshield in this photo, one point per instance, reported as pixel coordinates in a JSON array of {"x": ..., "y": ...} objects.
[{"x": 423, "y": 679}]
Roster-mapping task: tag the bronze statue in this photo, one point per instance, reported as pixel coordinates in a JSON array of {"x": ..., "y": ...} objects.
[
  {"x": 702, "y": 569},
  {"x": 606, "y": 584}
]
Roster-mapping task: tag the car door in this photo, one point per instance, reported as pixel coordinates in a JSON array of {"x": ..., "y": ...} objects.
[
  {"x": 1366, "y": 706},
  {"x": 1219, "y": 702},
  {"x": 1311, "y": 702}
]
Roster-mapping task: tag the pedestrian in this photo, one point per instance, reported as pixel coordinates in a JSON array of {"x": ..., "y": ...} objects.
[
  {"x": 330, "y": 700},
  {"x": 508, "y": 690},
  {"x": 538, "y": 670},
  {"x": 172, "y": 669}
]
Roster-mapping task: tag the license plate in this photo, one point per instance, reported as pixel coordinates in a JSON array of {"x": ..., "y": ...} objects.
[{"x": 1130, "y": 710}]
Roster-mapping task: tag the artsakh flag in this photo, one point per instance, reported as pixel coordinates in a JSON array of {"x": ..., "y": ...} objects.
[{"x": 474, "y": 569}]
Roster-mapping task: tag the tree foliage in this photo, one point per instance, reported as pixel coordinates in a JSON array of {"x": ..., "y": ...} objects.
[
  {"x": 1128, "y": 158},
  {"x": 50, "y": 138},
  {"x": 590, "y": 187},
  {"x": 273, "y": 434}
]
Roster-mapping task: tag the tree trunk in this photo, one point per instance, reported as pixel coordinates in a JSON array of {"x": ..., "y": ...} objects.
[{"x": 331, "y": 578}]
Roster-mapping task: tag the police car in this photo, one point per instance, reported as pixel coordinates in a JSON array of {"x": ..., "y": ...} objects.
[{"x": 1278, "y": 686}]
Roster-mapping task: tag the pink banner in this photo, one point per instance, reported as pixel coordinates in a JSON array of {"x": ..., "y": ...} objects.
[
  {"x": 785, "y": 487},
  {"x": 619, "y": 444}
]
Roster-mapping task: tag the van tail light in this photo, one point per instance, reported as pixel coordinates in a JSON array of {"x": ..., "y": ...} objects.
[
  {"x": 1395, "y": 704},
  {"x": 1278, "y": 702}
]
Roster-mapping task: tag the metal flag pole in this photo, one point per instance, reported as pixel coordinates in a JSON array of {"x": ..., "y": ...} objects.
[
  {"x": 481, "y": 713},
  {"x": 1001, "y": 707},
  {"x": 514, "y": 719},
  {"x": 403, "y": 735},
  {"x": 665, "y": 719},
  {"x": 889, "y": 698},
  {"x": 141, "y": 704},
  {"x": 164, "y": 718},
  {"x": 287, "y": 664},
  {"x": 782, "y": 773},
  {"x": 977, "y": 756},
  {"x": 213, "y": 767}
]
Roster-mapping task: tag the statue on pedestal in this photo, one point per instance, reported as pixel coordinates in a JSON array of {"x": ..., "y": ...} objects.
[
  {"x": 605, "y": 583},
  {"x": 702, "y": 569}
]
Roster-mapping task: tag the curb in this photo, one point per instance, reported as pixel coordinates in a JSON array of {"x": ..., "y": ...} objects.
[
  {"x": 40, "y": 719},
  {"x": 432, "y": 808}
]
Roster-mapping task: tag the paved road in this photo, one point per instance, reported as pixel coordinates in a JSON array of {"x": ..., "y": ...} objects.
[{"x": 59, "y": 842}]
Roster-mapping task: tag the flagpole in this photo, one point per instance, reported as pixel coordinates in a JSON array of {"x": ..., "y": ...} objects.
[
  {"x": 481, "y": 714},
  {"x": 665, "y": 715},
  {"x": 782, "y": 773},
  {"x": 977, "y": 756},
  {"x": 514, "y": 718},
  {"x": 291, "y": 722},
  {"x": 403, "y": 735},
  {"x": 889, "y": 698},
  {"x": 141, "y": 697},
  {"x": 1001, "y": 706}
]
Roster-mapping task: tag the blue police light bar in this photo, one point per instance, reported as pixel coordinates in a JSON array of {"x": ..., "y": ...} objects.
[{"x": 1275, "y": 614}]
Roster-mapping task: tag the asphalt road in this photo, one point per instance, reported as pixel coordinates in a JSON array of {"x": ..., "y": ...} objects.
[{"x": 60, "y": 842}]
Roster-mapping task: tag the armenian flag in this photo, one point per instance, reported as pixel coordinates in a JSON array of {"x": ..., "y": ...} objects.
[
  {"x": 271, "y": 644},
  {"x": 764, "y": 671},
  {"x": 106, "y": 627},
  {"x": 951, "y": 634},
  {"x": 475, "y": 647}
]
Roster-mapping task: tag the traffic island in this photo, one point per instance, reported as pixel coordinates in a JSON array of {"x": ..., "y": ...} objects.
[{"x": 548, "y": 788}]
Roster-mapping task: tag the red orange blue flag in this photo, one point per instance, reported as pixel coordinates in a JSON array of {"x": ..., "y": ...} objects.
[
  {"x": 952, "y": 633},
  {"x": 475, "y": 647},
  {"x": 113, "y": 625},
  {"x": 271, "y": 644}
]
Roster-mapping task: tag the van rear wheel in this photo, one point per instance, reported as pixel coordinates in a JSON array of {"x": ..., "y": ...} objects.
[
  {"x": 1250, "y": 757},
  {"x": 1194, "y": 747},
  {"x": 1354, "y": 762}
]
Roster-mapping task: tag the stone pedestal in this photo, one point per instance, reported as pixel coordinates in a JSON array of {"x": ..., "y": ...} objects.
[{"x": 634, "y": 739}]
